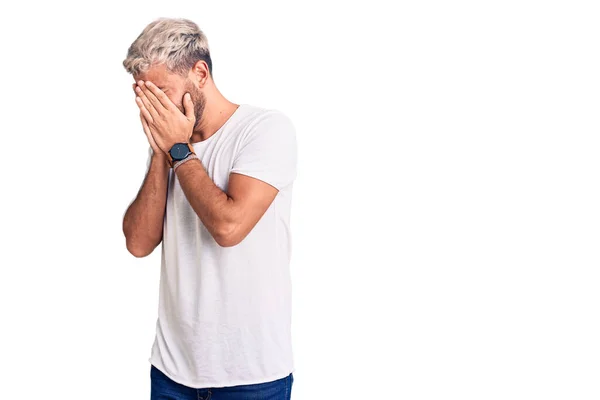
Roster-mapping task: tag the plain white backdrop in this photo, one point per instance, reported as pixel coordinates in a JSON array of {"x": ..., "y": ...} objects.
[{"x": 445, "y": 217}]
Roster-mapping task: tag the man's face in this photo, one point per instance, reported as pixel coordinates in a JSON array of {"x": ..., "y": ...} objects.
[{"x": 175, "y": 86}]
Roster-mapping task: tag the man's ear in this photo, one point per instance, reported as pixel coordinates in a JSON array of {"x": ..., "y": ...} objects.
[{"x": 200, "y": 73}]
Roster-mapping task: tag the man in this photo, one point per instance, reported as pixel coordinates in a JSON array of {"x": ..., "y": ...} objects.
[{"x": 217, "y": 193}]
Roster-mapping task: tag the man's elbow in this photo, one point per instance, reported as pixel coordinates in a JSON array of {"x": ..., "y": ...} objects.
[
  {"x": 227, "y": 236},
  {"x": 139, "y": 251},
  {"x": 139, "y": 254}
]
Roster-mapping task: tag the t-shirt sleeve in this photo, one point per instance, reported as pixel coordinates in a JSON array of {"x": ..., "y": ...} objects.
[{"x": 269, "y": 151}]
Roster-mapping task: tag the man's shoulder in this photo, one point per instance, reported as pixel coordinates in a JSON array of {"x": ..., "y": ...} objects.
[{"x": 254, "y": 113}]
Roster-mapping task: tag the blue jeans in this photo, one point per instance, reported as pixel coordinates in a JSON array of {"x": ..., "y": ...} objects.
[{"x": 164, "y": 388}]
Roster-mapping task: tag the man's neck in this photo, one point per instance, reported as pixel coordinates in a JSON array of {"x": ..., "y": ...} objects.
[{"x": 214, "y": 116}]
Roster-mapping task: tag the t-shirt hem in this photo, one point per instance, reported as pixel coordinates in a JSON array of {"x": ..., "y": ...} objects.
[{"x": 215, "y": 385}]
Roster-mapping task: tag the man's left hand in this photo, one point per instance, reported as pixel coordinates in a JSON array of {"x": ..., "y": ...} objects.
[{"x": 167, "y": 123}]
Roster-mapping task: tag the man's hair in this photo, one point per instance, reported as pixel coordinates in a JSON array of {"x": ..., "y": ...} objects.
[{"x": 177, "y": 42}]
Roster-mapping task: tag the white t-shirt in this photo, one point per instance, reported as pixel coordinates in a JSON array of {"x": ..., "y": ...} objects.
[{"x": 224, "y": 315}]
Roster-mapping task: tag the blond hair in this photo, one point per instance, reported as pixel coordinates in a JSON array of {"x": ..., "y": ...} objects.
[{"x": 176, "y": 42}]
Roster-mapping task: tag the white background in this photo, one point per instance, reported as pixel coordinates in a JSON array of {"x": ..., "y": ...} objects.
[{"x": 445, "y": 216}]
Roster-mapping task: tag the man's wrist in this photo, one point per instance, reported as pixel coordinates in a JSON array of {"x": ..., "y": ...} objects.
[
  {"x": 171, "y": 161},
  {"x": 190, "y": 156},
  {"x": 161, "y": 158}
]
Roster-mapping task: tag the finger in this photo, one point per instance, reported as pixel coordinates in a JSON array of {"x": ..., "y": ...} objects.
[
  {"x": 188, "y": 106},
  {"x": 147, "y": 103},
  {"x": 144, "y": 110},
  {"x": 164, "y": 100},
  {"x": 158, "y": 106},
  {"x": 148, "y": 132},
  {"x": 146, "y": 127}
]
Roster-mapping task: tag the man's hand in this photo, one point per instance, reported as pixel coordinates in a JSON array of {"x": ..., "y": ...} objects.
[
  {"x": 156, "y": 150},
  {"x": 164, "y": 120}
]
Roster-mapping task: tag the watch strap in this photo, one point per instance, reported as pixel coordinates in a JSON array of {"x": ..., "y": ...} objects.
[{"x": 188, "y": 158}]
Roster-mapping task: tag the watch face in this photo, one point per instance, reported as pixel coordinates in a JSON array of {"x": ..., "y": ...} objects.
[{"x": 179, "y": 151}]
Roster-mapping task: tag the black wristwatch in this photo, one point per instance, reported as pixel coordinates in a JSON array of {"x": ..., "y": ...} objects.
[{"x": 179, "y": 151}]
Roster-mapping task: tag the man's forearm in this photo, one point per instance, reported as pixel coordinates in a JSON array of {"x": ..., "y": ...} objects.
[
  {"x": 213, "y": 206},
  {"x": 143, "y": 221}
]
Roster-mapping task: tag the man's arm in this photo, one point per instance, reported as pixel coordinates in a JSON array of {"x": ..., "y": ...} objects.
[
  {"x": 143, "y": 220},
  {"x": 265, "y": 163},
  {"x": 229, "y": 217}
]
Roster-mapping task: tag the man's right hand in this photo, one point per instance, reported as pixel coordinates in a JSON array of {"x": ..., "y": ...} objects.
[{"x": 155, "y": 149}]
